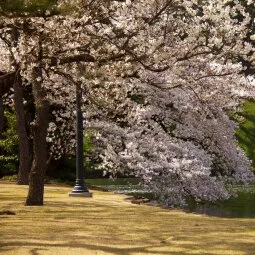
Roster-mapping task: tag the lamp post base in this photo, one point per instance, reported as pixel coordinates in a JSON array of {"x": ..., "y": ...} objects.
[
  {"x": 80, "y": 189},
  {"x": 80, "y": 194}
]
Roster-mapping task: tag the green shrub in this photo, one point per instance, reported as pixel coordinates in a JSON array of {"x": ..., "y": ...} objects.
[
  {"x": 66, "y": 170},
  {"x": 32, "y": 7},
  {"x": 9, "y": 147}
]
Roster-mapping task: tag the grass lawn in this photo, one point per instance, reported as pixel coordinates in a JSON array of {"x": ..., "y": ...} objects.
[{"x": 109, "y": 224}]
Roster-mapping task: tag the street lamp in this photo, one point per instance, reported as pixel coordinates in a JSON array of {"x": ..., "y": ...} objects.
[{"x": 79, "y": 189}]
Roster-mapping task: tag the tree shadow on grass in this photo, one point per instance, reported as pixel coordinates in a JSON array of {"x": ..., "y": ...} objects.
[
  {"x": 88, "y": 247},
  {"x": 186, "y": 247},
  {"x": 4, "y": 250},
  {"x": 35, "y": 251}
]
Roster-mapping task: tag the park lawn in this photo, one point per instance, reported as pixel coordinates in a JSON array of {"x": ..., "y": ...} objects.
[{"x": 109, "y": 224}]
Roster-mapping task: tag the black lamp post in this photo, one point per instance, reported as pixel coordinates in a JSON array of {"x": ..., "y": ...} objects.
[{"x": 79, "y": 189}]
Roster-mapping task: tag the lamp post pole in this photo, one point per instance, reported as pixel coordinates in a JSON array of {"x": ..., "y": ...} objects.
[{"x": 79, "y": 189}]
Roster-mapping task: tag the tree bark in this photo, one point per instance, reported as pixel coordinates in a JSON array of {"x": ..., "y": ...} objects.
[
  {"x": 25, "y": 153},
  {"x": 36, "y": 182}
]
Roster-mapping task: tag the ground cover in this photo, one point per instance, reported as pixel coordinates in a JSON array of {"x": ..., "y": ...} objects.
[{"x": 109, "y": 224}]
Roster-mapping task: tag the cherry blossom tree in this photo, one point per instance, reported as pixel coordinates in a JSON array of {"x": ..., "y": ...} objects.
[
  {"x": 159, "y": 76},
  {"x": 179, "y": 138},
  {"x": 9, "y": 80}
]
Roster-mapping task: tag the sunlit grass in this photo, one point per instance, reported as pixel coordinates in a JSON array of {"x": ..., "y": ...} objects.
[{"x": 109, "y": 224}]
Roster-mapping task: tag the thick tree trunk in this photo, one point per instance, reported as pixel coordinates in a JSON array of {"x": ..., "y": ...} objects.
[
  {"x": 36, "y": 183},
  {"x": 25, "y": 153}
]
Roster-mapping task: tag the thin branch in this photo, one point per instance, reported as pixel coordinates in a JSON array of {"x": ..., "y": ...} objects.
[{"x": 213, "y": 75}]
